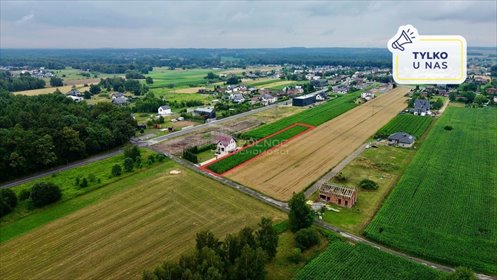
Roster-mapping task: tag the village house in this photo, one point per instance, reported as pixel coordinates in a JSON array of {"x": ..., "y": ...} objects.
[
  {"x": 224, "y": 144},
  {"x": 74, "y": 92},
  {"x": 421, "y": 107},
  {"x": 401, "y": 139},
  {"x": 120, "y": 100},
  {"x": 117, "y": 94},
  {"x": 321, "y": 96},
  {"x": 237, "y": 98},
  {"x": 76, "y": 98},
  {"x": 267, "y": 99},
  {"x": 368, "y": 95},
  {"x": 164, "y": 110},
  {"x": 340, "y": 89},
  {"x": 339, "y": 195}
]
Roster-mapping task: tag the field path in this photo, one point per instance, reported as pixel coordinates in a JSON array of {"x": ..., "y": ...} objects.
[{"x": 299, "y": 163}]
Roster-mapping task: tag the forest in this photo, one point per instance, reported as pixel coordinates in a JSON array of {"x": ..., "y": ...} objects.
[{"x": 38, "y": 132}]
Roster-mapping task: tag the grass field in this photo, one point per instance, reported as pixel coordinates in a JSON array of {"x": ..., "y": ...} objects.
[
  {"x": 172, "y": 95},
  {"x": 314, "y": 153},
  {"x": 346, "y": 261},
  {"x": 314, "y": 116},
  {"x": 23, "y": 220},
  {"x": 444, "y": 206},
  {"x": 384, "y": 165},
  {"x": 153, "y": 217},
  {"x": 242, "y": 156},
  {"x": 179, "y": 78},
  {"x": 414, "y": 125},
  {"x": 63, "y": 89}
]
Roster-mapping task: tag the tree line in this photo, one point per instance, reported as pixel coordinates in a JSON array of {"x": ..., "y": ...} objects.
[
  {"x": 19, "y": 83},
  {"x": 38, "y": 132}
]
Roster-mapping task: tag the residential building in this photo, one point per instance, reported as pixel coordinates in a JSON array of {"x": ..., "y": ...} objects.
[
  {"x": 224, "y": 144},
  {"x": 401, "y": 139},
  {"x": 164, "y": 110},
  {"x": 340, "y": 195},
  {"x": 421, "y": 107}
]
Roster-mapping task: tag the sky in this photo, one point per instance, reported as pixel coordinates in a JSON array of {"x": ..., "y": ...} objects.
[{"x": 237, "y": 24}]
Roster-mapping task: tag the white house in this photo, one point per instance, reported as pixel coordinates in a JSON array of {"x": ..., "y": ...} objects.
[
  {"x": 225, "y": 144},
  {"x": 75, "y": 98},
  {"x": 267, "y": 99},
  {"x": 367, "y": 95},
  {"x": 164, "y": 110},
  {"x": 237, "y": 98}
]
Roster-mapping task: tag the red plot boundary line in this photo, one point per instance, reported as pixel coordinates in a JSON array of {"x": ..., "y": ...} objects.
[{"x": 309, "y": 128}]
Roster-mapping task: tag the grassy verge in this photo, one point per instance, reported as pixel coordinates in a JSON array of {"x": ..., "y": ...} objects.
[{"x": 252, "y": 151}]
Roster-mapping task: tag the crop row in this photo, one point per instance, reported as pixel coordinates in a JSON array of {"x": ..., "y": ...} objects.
[
  {"x": 314, "y": 116},
  {"x": 414, "y": 125},
  {"x": 241, "y": 156},
  {"x": 443, "y": 207},
  {"x": 345, "y": 261}
]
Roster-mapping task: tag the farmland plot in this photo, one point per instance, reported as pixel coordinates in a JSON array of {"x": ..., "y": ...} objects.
[
  {"x": 345, "y": 261},
  {"x": 314, "y": 116},
  {"x": 445, "y": 205},
  {"x": 255, "y": 150},
  {"x": 151, "y": 220},
  {"x": 310, "y": 156},
  {"x": 414, "y": 125}
]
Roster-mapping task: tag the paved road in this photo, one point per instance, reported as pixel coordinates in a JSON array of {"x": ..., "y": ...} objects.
[
  {"x": 158, "y": 139},
  {"x": 61, "y": 168},
  {"x": 327, "y": 177},
  {"x": 284, "y": 207}
]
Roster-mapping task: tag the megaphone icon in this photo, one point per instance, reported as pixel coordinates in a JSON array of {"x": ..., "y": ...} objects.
[{"x": 404, "y": 38}]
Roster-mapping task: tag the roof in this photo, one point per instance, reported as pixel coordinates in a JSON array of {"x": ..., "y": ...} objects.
[
  {"x": 337, "y": 190},
  {"x": 120, "y": 100},
  {"x": 205, "y": 109},
  {"x": 421, "y": 104},
  {"x": 267, "y": 96},
  {"x": 310, "y": 95},
  {"x": 164, "y": 107},
  {"x": 402, "y": 137},
  {"x": 223, "y": 139}
]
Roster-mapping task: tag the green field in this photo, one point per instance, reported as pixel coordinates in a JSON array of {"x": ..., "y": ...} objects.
[
  {"x": 179, "y": 78},
  {"x": 314, "y": 116},
  {"x": 130, "y": 225},
  {"x": 22, "y": 219},
  {"x": 414, "y": 125},
  {"x": 346, "y": 261},
  {"x": 252, "y": 151},
  {"x": 445, "y": 206},
  {"x": 383, "y": 165}
]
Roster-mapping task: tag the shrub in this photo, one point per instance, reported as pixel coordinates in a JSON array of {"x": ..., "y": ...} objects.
[
  {"x": 8, "y": 200},
  {"x": 132, "y": 152},
  {"x": 296, "y": 256},
  {"x": 128, "y": 164},
  {"x": 84, "y": 183},
  {"x": 189, "y": 155},
  {"x": 45, "y": 193},
  {"x": 24, "y": 194},
  {"x": 448, "y": 127},
  {"x": 368, "y": 184},
  {"x": 160, "y": 157},
  {"x": 306, "y": 238},
  {"x": 340, "y": 177},
  {"x": 116, "y": 170}
]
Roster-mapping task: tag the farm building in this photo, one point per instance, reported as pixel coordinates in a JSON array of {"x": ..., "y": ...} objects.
[
  {"x": 339, "y": 195},
  {"x": 224, "y": 144},
  {"x": 207, "y": 112},
  {"x": 304, "y": 100},
  {"x": 164, "y": 110},
  {"x": 401, "y": 139}
]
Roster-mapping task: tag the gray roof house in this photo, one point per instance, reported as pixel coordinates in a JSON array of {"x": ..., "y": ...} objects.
[
  {"x": 120, "y": 100},
  {"x": 421, "y": 107},
  {"x": 401, "y": 139}
]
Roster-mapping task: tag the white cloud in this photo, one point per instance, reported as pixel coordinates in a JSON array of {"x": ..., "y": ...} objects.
[{"x": 25, "y": 19}]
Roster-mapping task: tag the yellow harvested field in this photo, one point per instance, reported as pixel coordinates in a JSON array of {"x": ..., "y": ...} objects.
[
  {"x": 63, "y": 89},
  {"x": 275, "y": 84},
  {"x": 152, "y": 221},
  {"x": 298, "y": 163},
  {"x": 188, "y": 90}
]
